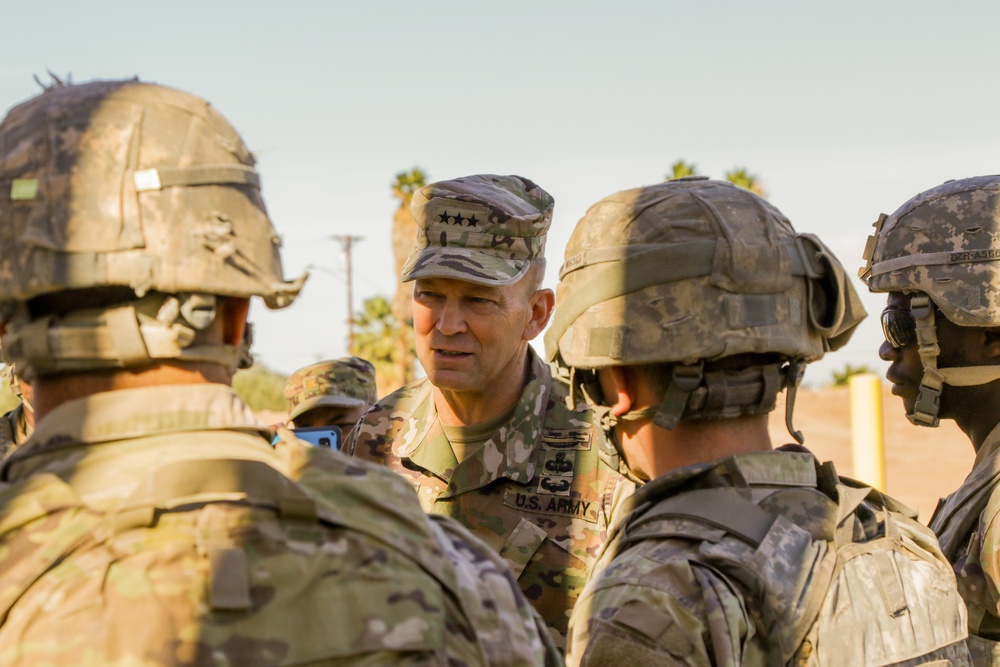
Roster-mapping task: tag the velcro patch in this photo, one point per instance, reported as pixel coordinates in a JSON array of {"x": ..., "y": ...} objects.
[
  {"x": 543, "y": 503},
  {"x": 579, "y": 439},
  {"x": 557, "y": 485},
  {"x": 456, "y": 215},
  {"x": 558, "y": 463},
  {"x": 611, "y": 644}
]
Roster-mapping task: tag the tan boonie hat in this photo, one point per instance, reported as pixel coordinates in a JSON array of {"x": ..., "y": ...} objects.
[
  {"x": 482, "y": 229},
  {"x": 343, "y": 382}
]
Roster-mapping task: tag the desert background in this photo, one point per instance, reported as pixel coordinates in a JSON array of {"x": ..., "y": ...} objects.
[{"x": 922, "y": 464}]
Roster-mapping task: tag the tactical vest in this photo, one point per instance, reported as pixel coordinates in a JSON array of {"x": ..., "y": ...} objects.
[
  {"x": 73, "y": 531},
  {"x": 833, "y": 573},
  {"x": 954, "y": 521},
  {"x": 10, "y": 429}
]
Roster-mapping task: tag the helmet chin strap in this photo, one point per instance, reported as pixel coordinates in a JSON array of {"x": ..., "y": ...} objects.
[
  {"x": 693, "y": 393},
  {"x": 794, "y": 373},
  {"x": 583, "y": 384},
  {"x": 928, "y": 403}
]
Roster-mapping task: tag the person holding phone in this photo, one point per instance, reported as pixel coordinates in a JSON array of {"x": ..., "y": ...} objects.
[
  {"x": 148, "y": 520},
  {"x": 335, "y": 392}
]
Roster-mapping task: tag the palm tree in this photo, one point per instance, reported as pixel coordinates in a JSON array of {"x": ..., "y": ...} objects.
[
  {"x": 377, "y": 337},
  {"x": 408, "y": 182},
  {"x": 739, "y": 176},
  {"x": 404, "y": 238},
  {"x": 404, "y": 235},
  {"x": 680, "y": 169}
]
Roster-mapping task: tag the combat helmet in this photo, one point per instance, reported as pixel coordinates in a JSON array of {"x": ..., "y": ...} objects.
[
  {"x": 690, "y": 272},
  {"x": 943, "y": 247},
  {"x": 126, "y": 209}
]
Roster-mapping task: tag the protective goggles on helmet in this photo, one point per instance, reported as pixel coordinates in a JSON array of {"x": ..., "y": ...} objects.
[{"x": 899, "y": 327}]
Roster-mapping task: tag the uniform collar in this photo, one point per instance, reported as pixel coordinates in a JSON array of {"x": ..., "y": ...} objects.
[
  {"x": 989, "y": 447},
  {"x": 788, "y": 466},
  {"x": 133, "y": 413},
  {"x": 510, "y": 454}
]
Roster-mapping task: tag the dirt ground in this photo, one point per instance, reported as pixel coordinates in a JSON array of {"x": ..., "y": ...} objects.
[{"x": 922, "y": 464}]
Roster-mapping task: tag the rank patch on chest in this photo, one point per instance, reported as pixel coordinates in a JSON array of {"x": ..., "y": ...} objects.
[
  {"x": 543, "y": 503},
  {"x": 566, "y": 439}
]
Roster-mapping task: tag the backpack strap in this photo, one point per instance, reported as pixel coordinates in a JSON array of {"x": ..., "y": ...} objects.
[
  {"x": 180, "y": 483},
  {"x": 720, "y": 508}
]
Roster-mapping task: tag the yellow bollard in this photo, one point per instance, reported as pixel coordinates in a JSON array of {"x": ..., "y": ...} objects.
[{"x": 867, "y": 432}]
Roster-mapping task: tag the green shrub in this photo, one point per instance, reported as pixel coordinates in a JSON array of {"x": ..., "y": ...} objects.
[
  {"x": 261, "y": 388},
  {"x": 841, "y": 378}
]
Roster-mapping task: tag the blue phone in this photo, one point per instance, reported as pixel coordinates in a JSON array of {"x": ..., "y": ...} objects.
[{"x": 318, "y": 436}]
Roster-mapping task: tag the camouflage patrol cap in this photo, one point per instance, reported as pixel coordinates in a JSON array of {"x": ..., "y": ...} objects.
[
  {"x": 944, "y": 242},
  {"x": 344, "y": 382},
  {"x": 694, "y": 269},
  {"x": 482, "y": 229}
]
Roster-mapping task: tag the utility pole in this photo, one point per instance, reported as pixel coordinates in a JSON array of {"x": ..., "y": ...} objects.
[{"x": 347, "y": 240}]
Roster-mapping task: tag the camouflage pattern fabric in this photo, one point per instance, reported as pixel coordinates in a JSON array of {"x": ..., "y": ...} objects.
[
  {"x": 966, "y": 523},
  {"x": 664, "y": 591},
  {"x": 121, "y": 170},
  {"x": 944, "y": 242},
  {"x": 157, "y": 526},
  {"x": 341, "y": 382},
  {"x": 942, "y": 247},
  {"x": 14, "y": 430},
  {"x": 708, "y": 265},
  {"x": 482, "y": 229},
  {"x": 537, "y": 492}
]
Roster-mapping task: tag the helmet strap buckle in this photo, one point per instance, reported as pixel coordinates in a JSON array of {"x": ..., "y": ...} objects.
[{"x": 685, "y": 379}]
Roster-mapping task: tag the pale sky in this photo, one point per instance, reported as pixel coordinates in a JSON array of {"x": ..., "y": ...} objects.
[{"x": 843, "y": 109}]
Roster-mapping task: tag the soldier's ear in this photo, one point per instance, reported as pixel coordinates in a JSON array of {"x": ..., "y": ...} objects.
[
  {"x": 541, "y": 303},
  {"x": 234, "y": 313},
  {"x": 991, "y": 344},
  {"x": 618, "y": 387}
]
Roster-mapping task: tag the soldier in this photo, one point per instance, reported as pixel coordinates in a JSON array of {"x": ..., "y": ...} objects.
[
  {"x": 19, "y": 423},
  {"x": 683, "y": 309},
  {"x": 331, "y": 393},
  {"x": 937, "y": 258},
  {"x": 487, "y": 437},
  {"x": 148, "y": 520}
]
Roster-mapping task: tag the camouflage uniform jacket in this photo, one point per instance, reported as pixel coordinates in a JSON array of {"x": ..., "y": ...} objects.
[
  {"x": 537, "y": 492},
  {"x": 966, "y": 522},
  {"x": 14, "y": 430},
  {"x": 659, "y": 594},
  {"x": 158, "y": 526}
]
